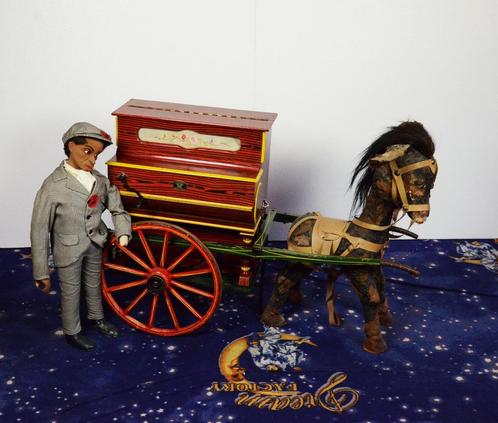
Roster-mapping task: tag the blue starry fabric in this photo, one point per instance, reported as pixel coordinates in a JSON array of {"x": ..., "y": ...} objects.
[{"x": 441, "y": 365}]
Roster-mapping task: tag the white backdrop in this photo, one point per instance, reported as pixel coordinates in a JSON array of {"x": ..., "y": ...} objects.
[{"x": 337, "y": 72}]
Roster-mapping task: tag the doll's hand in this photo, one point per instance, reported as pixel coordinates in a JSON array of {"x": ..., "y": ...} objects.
[
  {"x": 43, "y": 285},
  {"x": 123, "y": 240}
]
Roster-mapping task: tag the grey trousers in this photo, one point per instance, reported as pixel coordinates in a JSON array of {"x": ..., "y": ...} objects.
[{"x": 85, "y": 271}]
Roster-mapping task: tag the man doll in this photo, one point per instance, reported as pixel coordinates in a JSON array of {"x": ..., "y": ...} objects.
[{"x": 67, "y": 211}]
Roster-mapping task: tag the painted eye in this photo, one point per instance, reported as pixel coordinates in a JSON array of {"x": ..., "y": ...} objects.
[
  {"x": 87, "y": 151},
  {"x": 420, "y": 185}
]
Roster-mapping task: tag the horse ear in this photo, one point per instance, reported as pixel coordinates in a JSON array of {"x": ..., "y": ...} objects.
[{"x": 392, "y": 153}]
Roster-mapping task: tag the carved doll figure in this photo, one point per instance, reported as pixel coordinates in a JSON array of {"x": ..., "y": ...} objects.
[{"x": 67, "y": 214}]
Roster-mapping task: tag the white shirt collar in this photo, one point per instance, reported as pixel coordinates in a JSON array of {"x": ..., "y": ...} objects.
[{"x": 84, "y": 177}]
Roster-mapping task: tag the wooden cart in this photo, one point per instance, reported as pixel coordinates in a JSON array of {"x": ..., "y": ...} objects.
[{"x": 194, "y": 180}]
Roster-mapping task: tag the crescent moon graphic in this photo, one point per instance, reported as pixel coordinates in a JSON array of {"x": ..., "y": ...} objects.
[{"x": 229, "y": 360}]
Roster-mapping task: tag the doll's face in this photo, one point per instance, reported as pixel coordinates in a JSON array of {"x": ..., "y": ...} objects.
[{"x": 84, "y": 156}]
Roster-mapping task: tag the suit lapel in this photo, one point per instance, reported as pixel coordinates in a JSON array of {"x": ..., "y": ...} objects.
[
  {"x": 98, "y": 188},
  {"x": 73, "y": 184}
]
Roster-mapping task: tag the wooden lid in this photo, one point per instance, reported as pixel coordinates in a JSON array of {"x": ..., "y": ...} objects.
[{"x": 214, "y": 116}]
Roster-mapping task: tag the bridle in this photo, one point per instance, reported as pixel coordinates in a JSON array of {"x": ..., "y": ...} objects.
[
  {"x": 398, "y": 190},
  {"x": 398, "y": 186}
]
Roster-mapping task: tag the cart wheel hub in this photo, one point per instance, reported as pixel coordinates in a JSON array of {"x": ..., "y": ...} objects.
[{"x": 155, "y": 284}]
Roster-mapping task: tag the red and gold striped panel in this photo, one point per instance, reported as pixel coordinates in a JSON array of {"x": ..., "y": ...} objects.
[
  {"x": 187, "y": 188},
  {"x": 182, "y": 215},
  {"x": 217, "y": 216},
  {"x": 132, "y": 149}
]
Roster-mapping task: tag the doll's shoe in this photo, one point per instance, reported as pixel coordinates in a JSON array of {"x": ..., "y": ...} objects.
[
  {"x": 80, "y": 341},
  {"x": 107, "y": 328}
]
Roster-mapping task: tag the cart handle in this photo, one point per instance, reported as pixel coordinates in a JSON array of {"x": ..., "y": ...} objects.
[{"x": 124, "y": 179}]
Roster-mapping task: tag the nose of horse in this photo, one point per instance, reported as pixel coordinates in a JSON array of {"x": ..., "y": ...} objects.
[{"x": 420, "y": 216}]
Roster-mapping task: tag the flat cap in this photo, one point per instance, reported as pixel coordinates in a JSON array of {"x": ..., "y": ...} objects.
[{"x": 85, "y": 129}]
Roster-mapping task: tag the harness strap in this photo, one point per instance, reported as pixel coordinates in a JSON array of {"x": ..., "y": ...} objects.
[
  {"x": 430, "y": 163},
  {"x": 397, "y": 172},
  {"x": 347, "y": 250},
  {"x": 370, "y": 226},
  {"x": 327, "y": 235},
  {"x": 394, "y": 191},
  {"x": 357, "y": 242},
  {"x": 417, "y": 207},
  {"x": 331, "y": 241}
]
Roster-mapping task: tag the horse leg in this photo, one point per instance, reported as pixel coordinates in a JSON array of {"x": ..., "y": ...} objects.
[
  {"x": 286, "y": 280},
  {"x": 385, "y": 316},
  {"x": 295, "y": 295},
  {"x": 332, "y": 276},
  {"x": 363, "y": 281}
]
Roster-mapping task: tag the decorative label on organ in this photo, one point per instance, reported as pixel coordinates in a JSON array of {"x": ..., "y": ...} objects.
[{"x": 189, "y": 139}]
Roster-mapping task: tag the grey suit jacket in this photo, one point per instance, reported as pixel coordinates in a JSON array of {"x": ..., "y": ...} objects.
[{"x": 65, "y": 213}]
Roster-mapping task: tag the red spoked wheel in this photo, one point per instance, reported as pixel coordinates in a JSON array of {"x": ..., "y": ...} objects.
[{"x": 165, "y": 282}]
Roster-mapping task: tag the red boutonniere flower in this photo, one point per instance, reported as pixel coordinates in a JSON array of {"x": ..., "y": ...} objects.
[{"x": 93, "y": 201}]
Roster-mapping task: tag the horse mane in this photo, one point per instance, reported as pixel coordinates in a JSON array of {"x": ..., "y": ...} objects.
[{"x": 409, "y": 132}]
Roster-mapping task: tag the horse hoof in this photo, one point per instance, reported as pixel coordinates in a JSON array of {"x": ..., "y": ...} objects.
[
  {"x": 271, "y": 317},
  {"x": 375, "y": 346}
]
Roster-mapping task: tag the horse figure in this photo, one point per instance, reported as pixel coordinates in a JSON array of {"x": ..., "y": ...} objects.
[{"x": 397, "y": 171}]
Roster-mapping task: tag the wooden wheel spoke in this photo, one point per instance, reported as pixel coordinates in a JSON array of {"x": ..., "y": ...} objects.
[
  {"x": 127, "y": 285},
  {"x": 195, "y": 272},
  {"x": 185, "y": 303},
  {"x": 153, "y": 310},
  {"x": 171, "y": 309},
  {"x": 164, "y": 251},
  {"x": 147, "y": 248},
  {"x": 192, "y": 289},
  {"x": 124, "y": 269},
  {"x": 134, "y": 303},
  {"x": 181, "y": 258},
  {"x": 133, "y": 256},
  {"x": 181, "y": 278}
]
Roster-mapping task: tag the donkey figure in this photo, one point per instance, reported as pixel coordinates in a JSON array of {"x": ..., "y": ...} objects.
[{"x": 397, "y": 171}]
